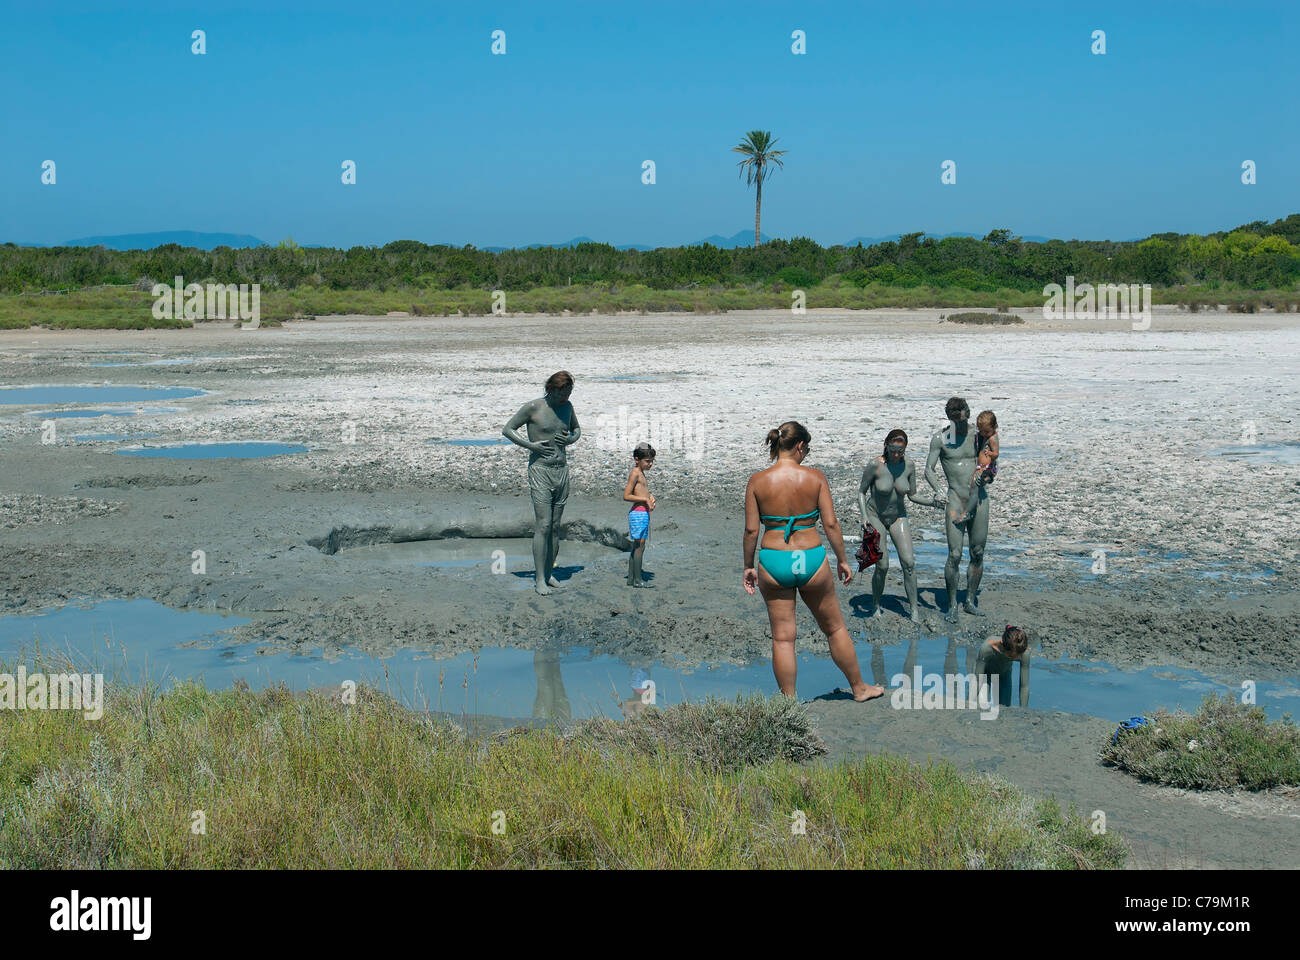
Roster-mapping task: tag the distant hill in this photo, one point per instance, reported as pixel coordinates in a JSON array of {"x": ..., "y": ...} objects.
[
  {"x": 186, "y": 238},
  {"x": 742, "y": 238}
]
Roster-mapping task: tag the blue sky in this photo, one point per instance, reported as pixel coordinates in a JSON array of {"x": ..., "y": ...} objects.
[{"x": 453, "y": 144}]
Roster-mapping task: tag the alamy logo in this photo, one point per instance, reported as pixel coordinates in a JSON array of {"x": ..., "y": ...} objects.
[
  {"x": 69, "y": 914},
  {"x": 216, "y": 301},
  {"x": 53, "y": 691},
  {"x": 1114, "y": 301},
  {"x": 664, "y": 431},
  {"x": 945, "y": 691}
]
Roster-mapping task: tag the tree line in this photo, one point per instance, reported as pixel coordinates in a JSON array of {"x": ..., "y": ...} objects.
[{"x": 1257, "y": 255}]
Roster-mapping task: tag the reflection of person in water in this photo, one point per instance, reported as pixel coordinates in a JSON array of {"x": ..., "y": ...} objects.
[
  {"x": 644, "y": 694},
  {"x": 888, "y": 482},
  {"x": 552, "y": 702},
  {"x": 552, "y": 426},
  {"x": 995, "y": 658}
]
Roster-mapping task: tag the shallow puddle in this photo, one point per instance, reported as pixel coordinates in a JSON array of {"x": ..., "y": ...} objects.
[
  {"x": 129, "y": 640},
  {"x": 216, "y": 451},
  {"x": 1287, "y": 453},
  {"x": 93, "y": 394}
]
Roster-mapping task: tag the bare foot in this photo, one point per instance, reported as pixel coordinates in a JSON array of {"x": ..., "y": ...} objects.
[
  {"x": 543, "y": 590},
  {"x": 551, "y": 581},
  {"x": 951, "y": 613},
  {"x": 973, "y": 610},
  {"x": 878, "y": 614},
  {"x": 868, "y": 691},
  {"x": 915, "y": 617}
]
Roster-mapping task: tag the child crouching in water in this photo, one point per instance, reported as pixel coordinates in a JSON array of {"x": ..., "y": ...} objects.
[
  {"x": 987, "y": 466},
  {"x": 637, "y": 492},
  {"x": 995, "y": 658}
]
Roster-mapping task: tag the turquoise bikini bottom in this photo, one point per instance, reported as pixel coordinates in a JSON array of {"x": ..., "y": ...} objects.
[{"x": 792, "y": 568}]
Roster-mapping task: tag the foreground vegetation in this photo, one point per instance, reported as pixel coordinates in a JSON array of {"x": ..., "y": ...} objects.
[
  {"x": 1225, "y": 744},
  {"x": 287, "y": 780}
]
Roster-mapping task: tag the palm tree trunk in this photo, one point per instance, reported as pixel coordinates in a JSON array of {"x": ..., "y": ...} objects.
[{"x": 758, "y": 207}]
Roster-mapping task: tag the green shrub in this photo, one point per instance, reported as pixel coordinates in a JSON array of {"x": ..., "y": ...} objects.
[
  {"x": 1225, "y": 744},
  {"x": 984, "y": 318}
]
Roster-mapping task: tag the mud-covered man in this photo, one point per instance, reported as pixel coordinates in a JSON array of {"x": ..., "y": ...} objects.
[
  {"x": 956, "y": 448},
  {"x": 552, "y": 426}
]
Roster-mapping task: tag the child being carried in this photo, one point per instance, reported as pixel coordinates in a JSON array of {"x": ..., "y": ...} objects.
[{"x": 987, "y": 465}]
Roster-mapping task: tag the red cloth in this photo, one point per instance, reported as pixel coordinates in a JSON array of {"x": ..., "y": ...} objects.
[{"x": 869, "y": 552}]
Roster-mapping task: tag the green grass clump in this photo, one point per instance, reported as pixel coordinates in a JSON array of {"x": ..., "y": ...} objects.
[
  {"x": 1225, "y": 744},
  {"x": 717, "y": 734},
  {"x": 983, "y": 318},
  {"x": 288, "y": 780}
]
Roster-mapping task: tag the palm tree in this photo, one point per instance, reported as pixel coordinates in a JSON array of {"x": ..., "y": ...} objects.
[{"x": 757, "y": 148}]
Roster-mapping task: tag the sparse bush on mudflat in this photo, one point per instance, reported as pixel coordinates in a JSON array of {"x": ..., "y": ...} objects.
[
  {"x": 302, "y": 781},
  {"x": 719, "y": 734},
  {"x": 984, "y": 318},
  {"x": 1225, "y": 744}
]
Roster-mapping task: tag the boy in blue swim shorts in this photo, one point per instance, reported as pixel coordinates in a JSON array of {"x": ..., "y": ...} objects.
[{"x": 637, "y": 492}]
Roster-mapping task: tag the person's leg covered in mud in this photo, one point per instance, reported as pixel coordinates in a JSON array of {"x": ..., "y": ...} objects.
[
  {"x": 956, "y": 534},
  {"x": 901, "y": 534},
  {"x": 979, "y": 535}
]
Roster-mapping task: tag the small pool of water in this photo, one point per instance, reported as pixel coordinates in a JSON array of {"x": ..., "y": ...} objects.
[
  {"x": 1091, "y": 687},
  {"x": 93, "y": 394},
  {"x": 475, "y": 442},
  {"x": 1287, "y": 452},
  {"x": 216, "y": 451},
  {"x": 513, "y": 555},
  {"x": 130, "y": 640},
  {"x": 931, "y": 550}
]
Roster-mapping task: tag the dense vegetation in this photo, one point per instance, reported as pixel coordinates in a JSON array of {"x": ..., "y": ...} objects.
[
  {"x": 192, "y": 778},
  {"x": 1256, "y": 256}
]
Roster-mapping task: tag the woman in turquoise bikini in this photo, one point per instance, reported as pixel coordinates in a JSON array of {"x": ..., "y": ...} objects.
[{"x": 787, "y": 499}]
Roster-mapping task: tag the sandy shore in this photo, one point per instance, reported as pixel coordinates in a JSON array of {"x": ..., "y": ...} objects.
[{"x": 1110, "y": 441}]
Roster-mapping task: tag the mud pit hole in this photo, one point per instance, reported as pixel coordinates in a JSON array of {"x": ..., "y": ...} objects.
[{"x": 465, "y": 552}]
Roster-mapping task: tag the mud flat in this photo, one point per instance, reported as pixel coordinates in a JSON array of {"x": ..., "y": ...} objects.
[
  {"x": 1168, "y": 452},
  {"x": 1114, "y": 443}
]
